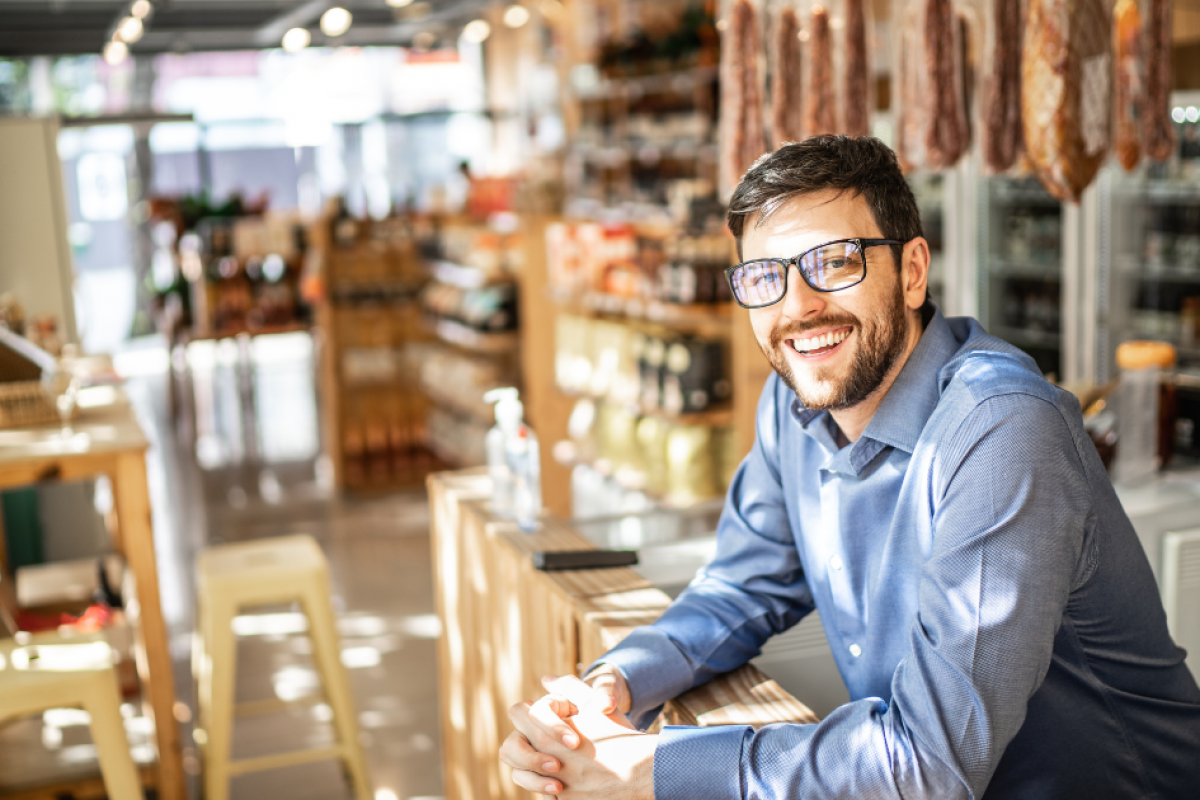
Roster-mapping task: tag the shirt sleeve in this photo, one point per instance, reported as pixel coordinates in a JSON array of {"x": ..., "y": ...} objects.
[
  {"x": 1011, "y": 513},
  {"x": 753, "y": 589}
]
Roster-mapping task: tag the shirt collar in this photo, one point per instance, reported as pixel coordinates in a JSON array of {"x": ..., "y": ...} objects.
[{"x": 905, "y": 409}]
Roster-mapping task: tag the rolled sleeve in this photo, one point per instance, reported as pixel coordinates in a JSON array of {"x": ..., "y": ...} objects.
[{"x": 691, "y": 763}]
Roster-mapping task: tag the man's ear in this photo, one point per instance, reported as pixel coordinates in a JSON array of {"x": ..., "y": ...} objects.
[{"x": 914, "y": 272}]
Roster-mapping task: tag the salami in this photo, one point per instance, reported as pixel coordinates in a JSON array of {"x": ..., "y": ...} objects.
[
  {"x": 910, "y": 74},
  {"x": 1002, "y": 88},
  {"x": 1127, "y": 98},
  {"x": 821, "y": 112},
  {"x": 944, "y": 140},
  {"x": 787, "y": 113},
  {"x": 856, "y": 71},
  {"x": 1066, "y": 92},
  {"x": 1158, "y": 133},
  {"x": 753, "y": 140}
]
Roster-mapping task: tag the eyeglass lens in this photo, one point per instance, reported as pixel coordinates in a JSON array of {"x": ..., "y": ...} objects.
[{"x": 829, "y": 268}]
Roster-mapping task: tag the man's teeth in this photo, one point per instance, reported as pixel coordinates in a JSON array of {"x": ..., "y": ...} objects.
[{"x": 817, "y": 342}]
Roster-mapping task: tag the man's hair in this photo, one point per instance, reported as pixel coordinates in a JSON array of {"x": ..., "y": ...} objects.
[{"x": 862, "y": 165}]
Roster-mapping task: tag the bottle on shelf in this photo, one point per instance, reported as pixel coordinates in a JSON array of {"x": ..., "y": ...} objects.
[{"x": 509, "y": 412}]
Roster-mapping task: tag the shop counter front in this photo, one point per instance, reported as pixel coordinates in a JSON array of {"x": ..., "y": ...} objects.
[{"x": 506, "y": 624}]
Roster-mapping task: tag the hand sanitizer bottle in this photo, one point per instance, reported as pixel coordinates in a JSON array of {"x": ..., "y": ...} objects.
[
  {"x": 508, "y": 420},
  {"x": 524, "y": 459}
]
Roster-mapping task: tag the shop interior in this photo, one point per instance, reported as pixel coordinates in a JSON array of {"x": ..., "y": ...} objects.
[{"x": 272, "y": 273}]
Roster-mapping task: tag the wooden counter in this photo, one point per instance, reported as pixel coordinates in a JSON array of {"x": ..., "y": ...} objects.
[{"x": 506, "y": 624}]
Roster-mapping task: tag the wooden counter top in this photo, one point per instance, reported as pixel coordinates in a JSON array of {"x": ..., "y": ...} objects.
[{"x": 506, "y": 624}]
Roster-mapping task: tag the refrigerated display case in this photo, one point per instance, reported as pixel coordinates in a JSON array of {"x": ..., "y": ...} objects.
[
  {"x": 1020, "y": 258},
  {"x": 928, "y": 190}
]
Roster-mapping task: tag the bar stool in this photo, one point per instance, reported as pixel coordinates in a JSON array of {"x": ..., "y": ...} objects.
[
  {"x": 51, "y": 672},
  {"x": 232, "y": 576}
]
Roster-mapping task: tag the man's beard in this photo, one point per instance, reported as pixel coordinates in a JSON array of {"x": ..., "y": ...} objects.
[{"x": 880, "y": 342}]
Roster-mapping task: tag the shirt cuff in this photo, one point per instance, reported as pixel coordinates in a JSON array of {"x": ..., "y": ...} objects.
[
  {"x": 654, "y": 670},
  {"x": 700, "y": 762}
]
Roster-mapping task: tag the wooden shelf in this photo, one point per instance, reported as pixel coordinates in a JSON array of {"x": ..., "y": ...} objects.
[
  {"x": 677, "y": 81},
  {"x": 566, "y": 454},
  {"x": 480, "y": 411},
  {"x": 466, "y": 277},
  {"x": 699, "y": 317},
  {"x": 455, "y": 333},
  {"x": 718, "y": 417}
]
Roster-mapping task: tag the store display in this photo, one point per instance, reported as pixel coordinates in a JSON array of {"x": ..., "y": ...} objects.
[
  {"x": 509, "y": 413},
  {"x": 821, "y": 110},
  {"x": 1158, "y": 133},
  {"x": 1001, "y": 103},
  {"x": 856, "y": 71},
  {"x": 1128, "y": 95},
  {"x": 1146, "y": 410},
  {"x": 1066, "y": 95},
  {"x": 787, "y": 80}
]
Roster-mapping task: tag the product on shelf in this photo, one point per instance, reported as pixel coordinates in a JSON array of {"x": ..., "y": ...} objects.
[{"x": 1066, "y": 96}]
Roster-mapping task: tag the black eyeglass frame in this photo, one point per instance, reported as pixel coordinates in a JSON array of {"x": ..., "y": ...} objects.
[{"x": 863, "y": 244}]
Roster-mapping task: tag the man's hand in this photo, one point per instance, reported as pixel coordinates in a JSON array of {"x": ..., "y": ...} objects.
[
  {"x": 591, "y": 756},
  {"x": 608, "y": 683}
]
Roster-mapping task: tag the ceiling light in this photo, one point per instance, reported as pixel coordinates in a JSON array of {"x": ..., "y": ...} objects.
[
  {"x": 130, "y": 29},
  {"x": 115, "y": 53},
  {"x": 399, "y": 3},
  {"x": 141, "y": 9},
  {"x": 515, "y": 16},
  {"x": 476, "y": 31},
  {"x": 335, "y": 21},
  {"x": 296, "y": 40}
]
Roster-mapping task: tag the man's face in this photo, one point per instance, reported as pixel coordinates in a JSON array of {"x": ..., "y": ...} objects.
[{"x": 867, "y": 323}]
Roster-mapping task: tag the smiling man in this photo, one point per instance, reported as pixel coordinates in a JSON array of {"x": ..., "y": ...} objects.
[{"x": 919, "y": 483}]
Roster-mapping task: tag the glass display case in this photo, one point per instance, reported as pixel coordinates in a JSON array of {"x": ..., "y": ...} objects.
[{"x": 1020, "y": 258}]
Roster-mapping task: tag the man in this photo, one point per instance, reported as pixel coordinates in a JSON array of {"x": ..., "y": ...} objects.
[{"x": 916, "y": 480}]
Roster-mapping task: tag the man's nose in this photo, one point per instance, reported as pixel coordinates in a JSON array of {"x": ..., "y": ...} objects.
[{"x": 801, "y": 300}]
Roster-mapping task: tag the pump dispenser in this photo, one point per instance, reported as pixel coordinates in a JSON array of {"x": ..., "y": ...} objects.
[{"x": 509, "y": 411}]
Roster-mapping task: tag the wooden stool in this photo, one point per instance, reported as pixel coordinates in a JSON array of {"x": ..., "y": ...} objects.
[
  {"x": 51, "y": 672},
  {"x": 285, "y": 569}
]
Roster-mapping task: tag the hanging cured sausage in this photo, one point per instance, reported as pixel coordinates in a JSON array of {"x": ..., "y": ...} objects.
[
  {"x": 821, "y": 113},
  {"x": 1127, "y": 98},
  {"x": 742, "y": 136},
  {"x": 1066, "y": 92},
  {"x": 787, "y": 113},
  {"x": 1002, "y": 87},
  {"x": 1158, "y": 133},
  {"x": 856, "y": 71},
  {"x": 945, "y": 141}
]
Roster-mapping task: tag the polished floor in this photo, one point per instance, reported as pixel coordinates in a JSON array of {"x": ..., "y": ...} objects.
[{"x": 235, "y": 456}]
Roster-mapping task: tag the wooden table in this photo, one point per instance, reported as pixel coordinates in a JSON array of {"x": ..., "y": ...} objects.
[
  {"x": 505, "y": 624},
  {"x": 106, "y": 440}
]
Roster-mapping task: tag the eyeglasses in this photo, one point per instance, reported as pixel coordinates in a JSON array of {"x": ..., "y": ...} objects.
[{"x": 829, "y": 267}]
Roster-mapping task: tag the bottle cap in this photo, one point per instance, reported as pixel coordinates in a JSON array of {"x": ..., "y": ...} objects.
[
  {"x": 1143, "y": 354},
  {"x": 509, "y": 409}
]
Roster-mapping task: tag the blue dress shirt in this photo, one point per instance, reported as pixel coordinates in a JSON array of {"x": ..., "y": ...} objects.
[{"x": 987, "y": 601}]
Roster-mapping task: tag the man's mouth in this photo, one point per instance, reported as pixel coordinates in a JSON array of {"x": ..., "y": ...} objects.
[{"x": 820, "y": 345}]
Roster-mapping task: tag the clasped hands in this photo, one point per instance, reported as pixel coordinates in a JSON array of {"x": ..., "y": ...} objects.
[{"x": 576, "y": 742}]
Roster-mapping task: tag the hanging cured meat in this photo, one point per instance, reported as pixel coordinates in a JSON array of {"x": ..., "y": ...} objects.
[
  {"x": 1002, "y": 89},
  {"x": 1127, "y": 98},
  {"x": 1158, "y": 133},
  {"x": 1066, "y": 92},
  {"x": 787, "y": 113},
  {"x": 911, "y": 117},
  {"x": 856, "y": 71},
  {"x": 945, "y": 141},
  {"x": 742, "y": 135},
  {"x": 821, "y": 113}
]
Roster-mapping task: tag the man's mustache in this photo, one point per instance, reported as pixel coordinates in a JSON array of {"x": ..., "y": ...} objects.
[{"x": 794, "y": 329}]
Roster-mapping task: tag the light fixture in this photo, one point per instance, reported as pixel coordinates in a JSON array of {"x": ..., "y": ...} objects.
[
  {"x": 140, "y": 9},
  {"x": 1192, "y": 114},
  {"x": 115, "y": 53},
  {"x": 335, "y": 21},
  {"x": 424, "y": 41},
  {"x": 476, "y": 31},
  {"x": 516, "y": 15},
  {"x": 130, "y": 29},
  {"x": 296, "y": 39},
  {"x": 1177, "y": 114},
  {"x": 399, "y": 3}
]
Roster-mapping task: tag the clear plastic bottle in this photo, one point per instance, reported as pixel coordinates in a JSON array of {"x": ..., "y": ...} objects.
[
  {"x": 524, "y": 459},
  {"x": 509, "y": 411}
]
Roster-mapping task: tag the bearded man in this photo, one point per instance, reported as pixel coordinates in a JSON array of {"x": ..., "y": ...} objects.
[{"x": 918, "y": 482}]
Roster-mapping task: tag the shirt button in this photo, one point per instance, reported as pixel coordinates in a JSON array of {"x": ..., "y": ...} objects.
[
  {"x": 855, "y": 650},
  {"x": 835, "y": 563}
]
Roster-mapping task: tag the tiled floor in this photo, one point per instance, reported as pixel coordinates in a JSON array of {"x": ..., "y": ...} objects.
[{"x": 243, "y": 466}]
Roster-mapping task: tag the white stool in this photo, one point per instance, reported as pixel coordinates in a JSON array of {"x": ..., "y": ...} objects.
[
  {"x": 285, "y": 569},
  {"x": 51, "y": 672}
]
